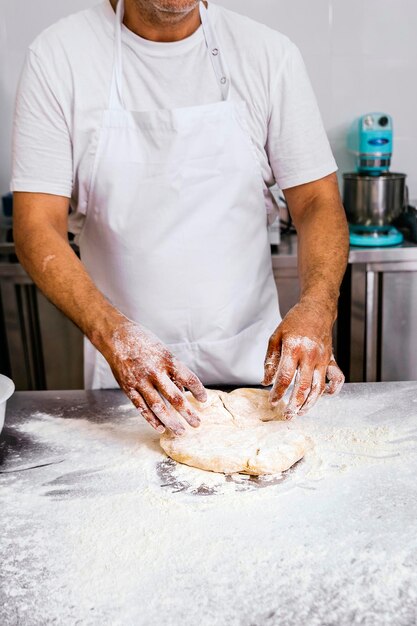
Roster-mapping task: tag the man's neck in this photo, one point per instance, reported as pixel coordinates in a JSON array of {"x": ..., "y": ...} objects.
[{"x": 142, "y": 18}]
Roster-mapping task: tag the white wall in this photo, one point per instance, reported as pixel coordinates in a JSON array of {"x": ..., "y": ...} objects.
[
  {"x": 361, "y": 56},
  {"x": 20, "y": 22}
]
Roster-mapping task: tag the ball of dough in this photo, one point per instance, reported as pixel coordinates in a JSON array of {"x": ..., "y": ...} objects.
[{"x": 239, "y": 432}]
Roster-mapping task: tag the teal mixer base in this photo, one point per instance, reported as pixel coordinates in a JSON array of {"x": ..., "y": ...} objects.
[{"x": 368, "y": 237}]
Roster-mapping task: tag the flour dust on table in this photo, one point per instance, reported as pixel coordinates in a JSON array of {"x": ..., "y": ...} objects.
[
  {"x": 105, "y": 529},
  {"x": 240, "y": 432}
]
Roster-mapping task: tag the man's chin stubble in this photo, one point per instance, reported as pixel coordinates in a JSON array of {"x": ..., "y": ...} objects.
[{"x": 177, "y": 12}]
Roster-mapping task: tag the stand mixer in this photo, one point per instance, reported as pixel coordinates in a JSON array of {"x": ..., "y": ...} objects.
[{"x": 374, "y": 198}]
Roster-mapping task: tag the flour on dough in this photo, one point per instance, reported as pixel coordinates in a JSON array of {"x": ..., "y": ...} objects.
[{"x": 239, "y": 432}]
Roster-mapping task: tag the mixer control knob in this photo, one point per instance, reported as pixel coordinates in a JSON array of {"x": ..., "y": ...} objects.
[
  {"x": 368, "y": 121},
  {"x": 383, "y": 121}
]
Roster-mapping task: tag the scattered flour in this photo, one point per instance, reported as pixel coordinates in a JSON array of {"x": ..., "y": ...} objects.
[
  {"x": 47, "y": 260},
  {"x": 113, "y": 532}
]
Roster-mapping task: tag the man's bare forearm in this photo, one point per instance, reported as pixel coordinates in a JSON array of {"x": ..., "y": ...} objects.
[
  {"x": 323, "y": 248},
  {"x": 45, "y": 253}
]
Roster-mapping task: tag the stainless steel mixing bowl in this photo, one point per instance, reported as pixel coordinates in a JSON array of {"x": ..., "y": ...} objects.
[{"x": 374, "y": 200}]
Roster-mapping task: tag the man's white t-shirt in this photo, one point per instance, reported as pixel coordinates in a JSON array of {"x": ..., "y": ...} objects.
[{"x": 65, "y": 86}]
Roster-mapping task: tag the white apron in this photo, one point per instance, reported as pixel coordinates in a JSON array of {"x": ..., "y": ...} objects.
[{"x": 175, "y": 233}]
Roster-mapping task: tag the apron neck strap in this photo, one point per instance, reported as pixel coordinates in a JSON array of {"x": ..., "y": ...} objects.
[
  {"x": 214, "y": 50},
  {"x": 116, "y": 94},
  {"x": 219, "y": 66}
]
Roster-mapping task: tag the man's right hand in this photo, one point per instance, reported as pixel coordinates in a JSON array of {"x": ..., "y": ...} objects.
[{"x": 153, "y": 378}]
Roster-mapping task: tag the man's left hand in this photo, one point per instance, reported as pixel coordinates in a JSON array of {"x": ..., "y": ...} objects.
[{"x": 302, "y": 346}]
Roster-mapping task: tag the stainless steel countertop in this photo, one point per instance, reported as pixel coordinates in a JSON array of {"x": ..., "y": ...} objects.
[
  {"x": 97, "y": 527},
  {"x": 285, "y": 255}
]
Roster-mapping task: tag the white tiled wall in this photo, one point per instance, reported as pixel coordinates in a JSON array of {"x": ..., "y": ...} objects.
[{"x": 361, "y": 56}]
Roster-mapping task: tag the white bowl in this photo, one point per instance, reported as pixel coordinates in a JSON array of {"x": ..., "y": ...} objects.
[{"x": 6, "y": 390}]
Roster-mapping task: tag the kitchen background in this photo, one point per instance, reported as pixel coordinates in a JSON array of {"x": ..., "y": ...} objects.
[{"x": 361, "y": 56}]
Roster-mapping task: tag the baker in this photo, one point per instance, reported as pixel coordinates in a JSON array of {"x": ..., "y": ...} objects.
[{"x": 162, "y": 125}]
